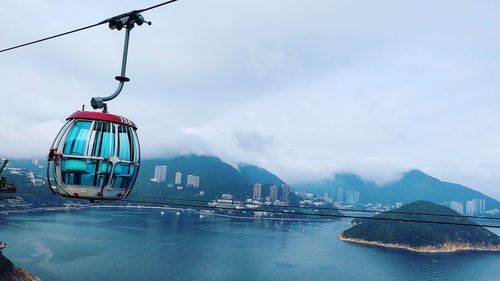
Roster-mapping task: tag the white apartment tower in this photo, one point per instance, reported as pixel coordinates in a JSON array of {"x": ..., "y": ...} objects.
[
  {"x": 273, "y": 192},
  {"x": 470, "y": 207},
  {"x": 352, "y": 197},
  {"x": 160, "y": 174},
  {"x": 178, "y": 178},
  {"x": 480, "y": 205},
  {"x": 340, "y": 195},
  {"x": 257, "y": 191},
  {"x": 286, "y": 192},
  {"x": 457, "y": 207},
  {"x": 193, "y": 181}
]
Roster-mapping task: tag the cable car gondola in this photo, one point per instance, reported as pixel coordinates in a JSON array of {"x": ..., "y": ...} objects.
[{"x": 96, "y": 155}]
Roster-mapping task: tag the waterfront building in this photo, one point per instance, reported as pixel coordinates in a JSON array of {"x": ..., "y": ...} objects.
[
  {"x": 457, "y": 207},
  {"x": 470, "y": 207},
  {"x": 257, "y": 191},
  {"x": 327, "y": 198},
  {"x": 225, "y": 202},
  {"x": 178, "y": 178},
  {"x": 340, "y": 195},
  {"x": 160, "y": 174},
  {"x": 286, "y": 192},
  {"x": 273, "y": 193},
  {"x": 352, "y": 197},
  {"x": 193, "y": 181},
  {"x": 37, "y": 182},
  {"x": 480, "y": 205}
]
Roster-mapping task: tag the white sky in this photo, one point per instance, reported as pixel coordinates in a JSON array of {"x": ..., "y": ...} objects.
[{"x": 303, "y": 88}]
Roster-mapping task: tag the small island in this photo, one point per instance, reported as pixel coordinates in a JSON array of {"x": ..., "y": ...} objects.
[{"x": 422, "y": 237}]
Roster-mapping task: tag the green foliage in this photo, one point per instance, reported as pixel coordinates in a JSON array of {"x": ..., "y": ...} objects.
[
  {"x": 421, "y": 234},
  {"x": 216, "y": 178},
  {"x": 253, "y": 174}
]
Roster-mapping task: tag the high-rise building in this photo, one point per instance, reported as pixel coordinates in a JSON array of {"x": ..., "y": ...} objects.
[
  {"x": 160, "y": 174},
  {"x": 257, "y": 191},
  {"x": 178, "y": 178},
  {"x": 470, "y": 207},
  {"x": 273, "y": 192},
  {"x": 286, "y": 192},
  {"x": 190, "y": 180},
  {"x": 193, "y": 181},
  {"x": 480, "y": 205},
  {"x": 327, "y": 198},
  {"x": 340, "y": 195},
  {"x": 352, "y": 197},
  {"x": 457, "y": 207}
]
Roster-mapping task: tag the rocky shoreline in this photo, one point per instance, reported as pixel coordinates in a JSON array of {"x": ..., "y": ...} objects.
[
  {"x": 445, "y": 248},
  {"x": 10, "y": 272}
]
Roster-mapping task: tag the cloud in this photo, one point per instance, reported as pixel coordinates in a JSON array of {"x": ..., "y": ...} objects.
[
  {"x": 303, "y": 89},
  {"x": 252, "y": 141}
]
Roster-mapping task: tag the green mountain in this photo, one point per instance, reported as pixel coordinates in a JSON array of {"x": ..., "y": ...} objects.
[
  {"x": 413, "y": 185},
  {"x": 422, "y": 237},
  {"x": 216, "y": 178},
  {"x": 254, "y": 174}
]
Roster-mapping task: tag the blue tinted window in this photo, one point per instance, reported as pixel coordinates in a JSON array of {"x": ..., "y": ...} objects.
[
  {"x": 107, "y": 146},
  {"x": 98, "y": 128},
  {"x": 76, "y": 141},
  {"x": 124, "y": 144},
  {"x": 123, "y": 176}
]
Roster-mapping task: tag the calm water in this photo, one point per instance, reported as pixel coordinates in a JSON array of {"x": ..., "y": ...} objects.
[{"x": 144, "y": 245}]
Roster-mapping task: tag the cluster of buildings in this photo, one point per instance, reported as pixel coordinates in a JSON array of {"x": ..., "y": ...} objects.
[
  {"x": 161, "y": 176},
  {"x": 35, "y": 180},
  {"x": 350, "y": 197},
  {"x": 470, "y": 207},
  {"x": 36, "y": 162},
  {"x": 273, "y": 193}
]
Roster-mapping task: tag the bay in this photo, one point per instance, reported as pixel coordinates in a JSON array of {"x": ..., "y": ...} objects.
[{"x": 128, "y": 244}]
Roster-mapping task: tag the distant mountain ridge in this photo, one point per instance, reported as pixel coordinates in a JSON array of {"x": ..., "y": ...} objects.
[
  {"x": 413, "y": 185},
  {"x": 255, "y": 174},
  {"x": 216, "y": 177}
]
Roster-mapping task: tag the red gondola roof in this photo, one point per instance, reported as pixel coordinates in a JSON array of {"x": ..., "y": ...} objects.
[{"x": 92, "y": 115}]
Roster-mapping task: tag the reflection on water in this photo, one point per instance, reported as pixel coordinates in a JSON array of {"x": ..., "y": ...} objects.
[{"x": 100, "y": 244}]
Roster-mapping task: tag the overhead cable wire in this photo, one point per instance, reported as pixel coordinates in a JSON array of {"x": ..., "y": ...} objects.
[
  {"x": 82, "y": 28},
  {"x": 328, "y": 208},
  {"x": 174, "y": 200},
  {"x": 294, "y": 212}
]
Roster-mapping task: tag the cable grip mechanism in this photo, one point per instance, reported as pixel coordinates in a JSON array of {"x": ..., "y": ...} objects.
[{"x": 127, "y": 21}]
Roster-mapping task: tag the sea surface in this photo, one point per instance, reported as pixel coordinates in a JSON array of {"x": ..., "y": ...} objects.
[{"x": 126, "y": 244}]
